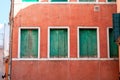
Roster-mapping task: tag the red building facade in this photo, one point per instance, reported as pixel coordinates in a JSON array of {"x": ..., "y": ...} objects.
[{"x": 64, "y": 40}]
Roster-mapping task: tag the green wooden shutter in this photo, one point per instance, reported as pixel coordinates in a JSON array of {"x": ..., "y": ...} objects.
[
  {"x": 54, "y": 43},
  {"x": 83, "y": 43},
  {"x": 58, "y": 43},
  {"x": 87, "y": 0},
  {"x": 29, "y": 43},
  {"x": 58, "y": 0},
  {"x": 87, "y": 42},
  {"x": 113, "y": 46},
  {"x": 92, "y": 43},
  {"x": 63, "y": 43},
  {"x": 111, "y": 0},
  {"x": 30, "y": 0}
]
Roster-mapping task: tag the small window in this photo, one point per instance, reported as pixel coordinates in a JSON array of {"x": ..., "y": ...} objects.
[
  {"x": 30, "y": 0},
  {"x": 87, "y": 0},
  {"x": 58, "y": 43},
  {"x": 28, "y": 43},
  {"x": 88, "y": 43},
  {"x": 58, "y": 0},
  {"x": 111, "y": 0},
  {"x": 113, "y": 48}
]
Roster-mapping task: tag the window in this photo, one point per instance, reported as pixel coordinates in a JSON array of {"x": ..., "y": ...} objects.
[
  {"x": 58, "y": 0},
  {"x": 88, "y": 46},
  {"x": 30, "y": 0},
  {"x": 29, "y": 40},
  {"x": 87, "y": 0},
  {"x": 111, "y": 0},
  {"x": 113, "y": 49},
  {"x": 58, "y": 46}
]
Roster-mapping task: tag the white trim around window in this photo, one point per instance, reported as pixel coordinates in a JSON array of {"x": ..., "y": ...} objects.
[
  {"x": 108, "y": 46},
  {"x": 58, "y": 27},
  {"x": 98, "y": 42},
  {"x": 19, "y": 43}
]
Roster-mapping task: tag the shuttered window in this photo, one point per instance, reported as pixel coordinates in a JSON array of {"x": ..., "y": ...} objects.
[
  {"x": 87, "y": 0},
  {"x": 111, "y": 0},
  {"x": 29, "y": 43},
  {"x": 58, "y": 43},
  {"x": 58, "y": 0},
  {"x": 87, "y": 43},
  {"x": 112, "y": 45},
  {"x": 30, "y": 0}
]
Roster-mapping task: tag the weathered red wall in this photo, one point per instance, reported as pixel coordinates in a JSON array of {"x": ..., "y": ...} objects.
[
  {"x": 65, "y": 70},
  {"x": 72, "y": 15}
]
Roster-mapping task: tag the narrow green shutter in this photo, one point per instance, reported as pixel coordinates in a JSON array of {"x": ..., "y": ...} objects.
[
  {"x": 30, "y": 0},
  {"x": 63, "y": 43},
  {"x": 29, "y": 43},
  {"x": 112, "y": 45},
  {"x": 58, "y": 43},
  {"x": 87, "y": 42},
  {"x": 111, "y": 0},
  {"x": 92, "y": 43},
  {"x": 83, "y": 48},
  {"x": 54, "y": 43},
  {"x": 58, "y": 0}
]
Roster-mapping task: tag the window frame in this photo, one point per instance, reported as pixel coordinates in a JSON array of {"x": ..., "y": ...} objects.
[
  {"x": 98, "y": 43},
  {"x": 19, "y": 38},
  {"x": 58, "y": 27},
  {"x": 108, "y": 45}
]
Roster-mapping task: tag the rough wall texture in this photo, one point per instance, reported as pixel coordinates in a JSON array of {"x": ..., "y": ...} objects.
[
  {"x": 73, "y": 16},
  {"x": 1, "y": 63},
  {"x": 65, "y": 70}
]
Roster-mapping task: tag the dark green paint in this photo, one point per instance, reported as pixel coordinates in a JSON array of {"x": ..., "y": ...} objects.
[
  {"x": 88, "y": 42},
  {"x": 29, "y": 43},
  {"x": 116, "y": 25},
  {"x": 113, "y": 46},
  {"x": 58, "y": 0},
  {"x": 30, "y": 0},
  {"x": 111, "y": 0},
  {"x": 58, "y": 43}
]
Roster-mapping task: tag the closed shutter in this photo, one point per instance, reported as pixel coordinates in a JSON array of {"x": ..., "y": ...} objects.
[
  {"x": 58, "y": 43},
  {"x": 29, "y": 43},
  {"x": 58, "y": 0},
  {"x": 112, "y": 45},
  {"x": 54, "y": 43},
  {"x": 111, "y": 0},
  {"x": 116, "y": 26},
  {"x": 87, "y": 43},
  {"x": 30, "y": 0}
]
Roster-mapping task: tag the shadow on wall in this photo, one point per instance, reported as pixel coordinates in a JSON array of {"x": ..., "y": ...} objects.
[{"x": 1, "y": 63}]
